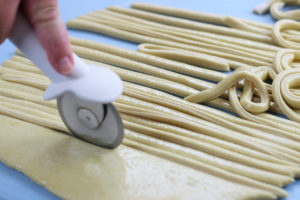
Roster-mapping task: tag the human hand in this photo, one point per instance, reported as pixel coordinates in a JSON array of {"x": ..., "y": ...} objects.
[{"x": 50, "y": 29}]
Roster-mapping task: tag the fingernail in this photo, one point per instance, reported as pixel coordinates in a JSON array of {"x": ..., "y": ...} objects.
[{"x": 65, "y": 66}]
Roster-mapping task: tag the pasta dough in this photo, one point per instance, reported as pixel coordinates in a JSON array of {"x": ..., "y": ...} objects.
[
  {"x": 282, "y": 25},
  {"x": 197, "y": 15},
  {"x": 133, "y": 139},
  {"x": 275, "y": 7},
  {"x": 171, "y": 147},
  {"x": 74, "y": 169}
]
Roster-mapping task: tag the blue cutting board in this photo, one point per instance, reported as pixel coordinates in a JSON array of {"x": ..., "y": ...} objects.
[{"x": 15, "y": 185}]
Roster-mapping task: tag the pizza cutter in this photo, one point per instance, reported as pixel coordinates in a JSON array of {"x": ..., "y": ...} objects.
[{"x": 83, "y": 98}]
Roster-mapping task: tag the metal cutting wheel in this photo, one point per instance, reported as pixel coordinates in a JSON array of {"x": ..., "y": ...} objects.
[{"x": 97, "y": 123}]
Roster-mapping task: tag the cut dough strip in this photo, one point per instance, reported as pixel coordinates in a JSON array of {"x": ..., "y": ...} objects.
[
  {"x": 151, "y": 60},
  {"x": 241, "y": 24},
  {"x": 42, "y": 122},
  {"x": 162, "y": 84},
  {"x": 45, "y": 119},
  {"x": 203, "y": 124},
  {"x": 194, "y": 127},
  {"x": 133, "y": 80},
  {"x": 164, "y": 155},
  {"x": 168, "y": 33},
  {"x": 211, "y": 38},
  {"x": 140, "y": 67},
  {"x": 277, "y": 192},
  {"x": 196, "y": 15},
  {"x": 221, "y": 120},
  {"x": 127, "y": 79},
  {"x": 202, "y": 47},
  {"x": 202, "y": 157},
  {"x": 193, "y": 25},
  {"x": 138, "y": 38},
  {"x": 100, "y": 56},
  {"x": 29, "y": 104},
  {"x": 286, "y": 156},
  {"x": 16, "y": 63},
  {"x": 40, "y": 118},
  {"x": 145, "y": 79},
  {"x": 26, "y": 96},
  {"x": 185, "y": 56},
  {"x": 206, "y": 110},
  {"x": 232, "y": 146},
  {"x": 188, "y": 57}
]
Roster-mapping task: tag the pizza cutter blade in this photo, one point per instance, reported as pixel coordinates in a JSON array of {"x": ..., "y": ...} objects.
[
  {"x": 96, "y": 123},
  {"x": 84, "y": 98}
]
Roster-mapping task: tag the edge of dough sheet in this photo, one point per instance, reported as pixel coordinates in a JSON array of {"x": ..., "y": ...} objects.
[{"x": 73, "y": 169}]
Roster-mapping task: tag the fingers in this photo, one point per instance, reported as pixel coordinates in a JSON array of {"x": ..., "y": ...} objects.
[
  {"x": 8, "y": 11},
  {"x": 51, "y": 31}
]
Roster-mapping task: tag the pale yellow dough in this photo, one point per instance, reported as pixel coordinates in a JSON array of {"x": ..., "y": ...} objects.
[
  {"x": 202, "y": 162},
  {"x": 73, "y": 169},
  {"x": 275, "y": 7},
  {"x": 172, "y": 149},
  {"x": 198, "y": 15}
]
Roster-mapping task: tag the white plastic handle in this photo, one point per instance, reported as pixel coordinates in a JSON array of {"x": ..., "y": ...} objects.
[
  {"x": 89, "y": 82},
  {"x": 24, "y": 37}
]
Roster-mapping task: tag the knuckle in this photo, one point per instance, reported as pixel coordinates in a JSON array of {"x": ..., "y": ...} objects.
[{"x": 44, "y": 11}]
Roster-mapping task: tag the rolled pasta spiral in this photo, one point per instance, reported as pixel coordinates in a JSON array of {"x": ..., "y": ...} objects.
[
  {"x": 286, "y": 33},
  {"x": 284, "y": 60},
  {"x": 287, "y": 98}
]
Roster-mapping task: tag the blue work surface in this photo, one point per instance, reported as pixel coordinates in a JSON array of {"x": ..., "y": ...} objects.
[{"x": 15, "y": 185}]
